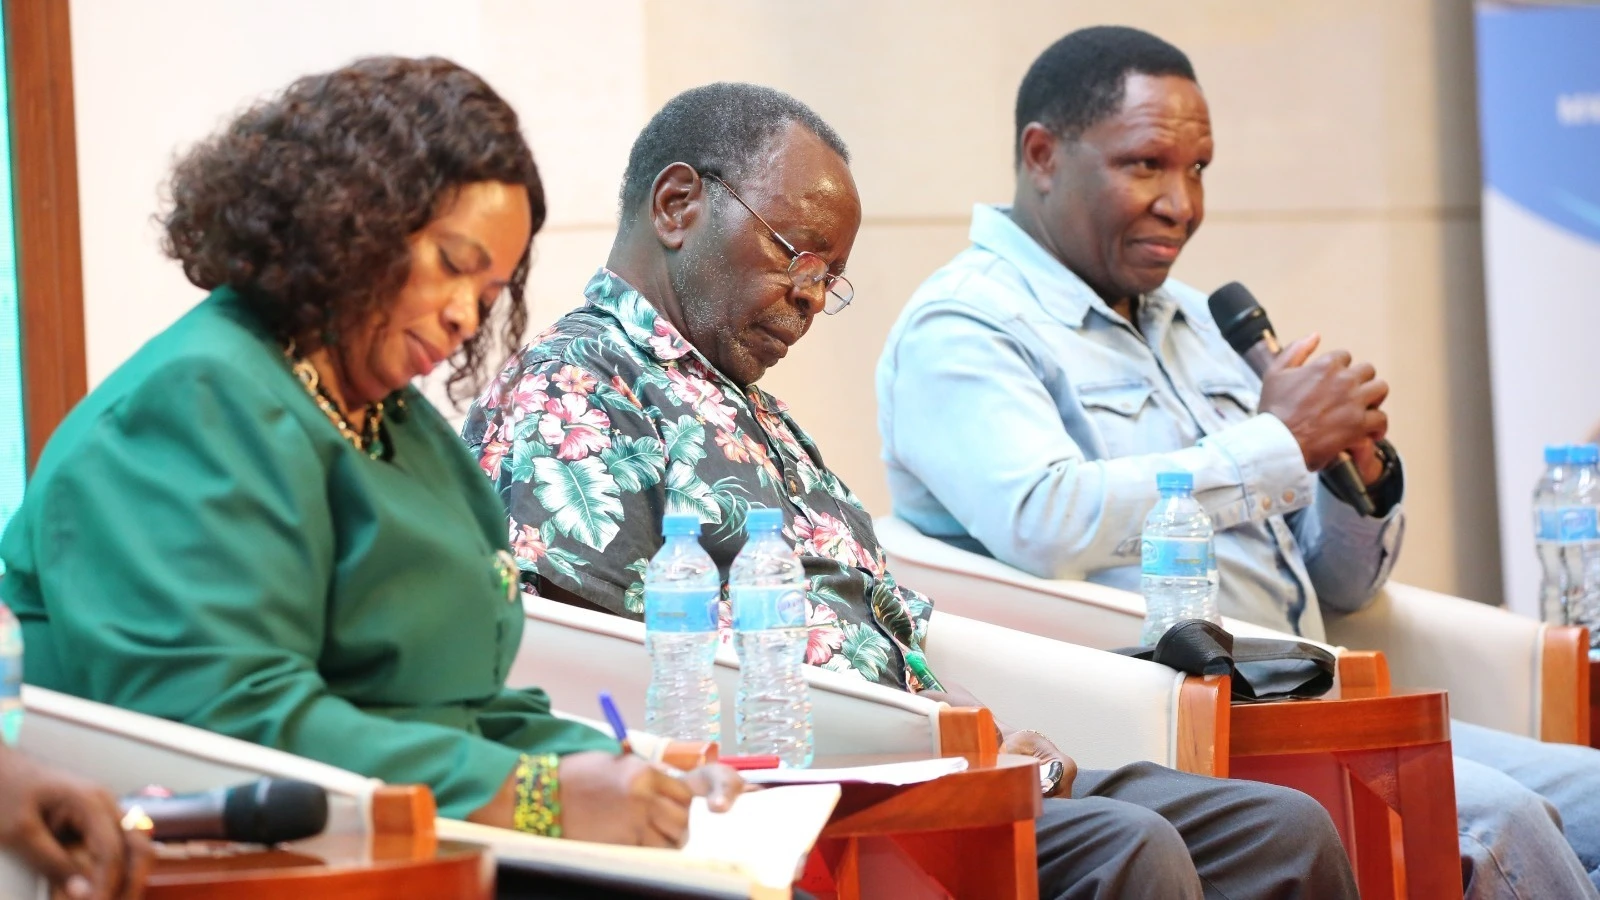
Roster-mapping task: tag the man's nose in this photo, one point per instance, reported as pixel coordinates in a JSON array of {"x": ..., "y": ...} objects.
[
  {"x": 1177, "y": 202},
  {"x": 811, "y": 298}
]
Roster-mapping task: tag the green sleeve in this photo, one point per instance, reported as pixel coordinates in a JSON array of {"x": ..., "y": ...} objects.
[{"x": 187, "y": 563}]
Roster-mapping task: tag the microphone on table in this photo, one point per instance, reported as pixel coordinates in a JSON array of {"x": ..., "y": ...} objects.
[
  {"x": 265, "y": 811},
  {"x": 1247, "y": 330}
]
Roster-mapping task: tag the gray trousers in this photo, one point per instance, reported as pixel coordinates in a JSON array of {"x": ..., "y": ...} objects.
[{"x": 1144, "y": 831}]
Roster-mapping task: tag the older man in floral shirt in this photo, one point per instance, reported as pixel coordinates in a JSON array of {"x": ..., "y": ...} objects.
[
  {"x": 643, "y": 402},
  {"x": 609, "y": 420}
]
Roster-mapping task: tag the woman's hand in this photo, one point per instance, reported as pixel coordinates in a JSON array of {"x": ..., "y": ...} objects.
[
  {"x": 629, "y": 800},
  {"x": 70, "y": 831}
]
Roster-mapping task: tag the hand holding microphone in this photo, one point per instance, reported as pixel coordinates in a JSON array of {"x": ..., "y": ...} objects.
[{"x": 1329, "y": 405}]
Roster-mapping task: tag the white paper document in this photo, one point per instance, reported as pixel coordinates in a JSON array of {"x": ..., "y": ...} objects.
[
  {"x": 901, "y": 773},
  {"x": 753, "y": 849}
]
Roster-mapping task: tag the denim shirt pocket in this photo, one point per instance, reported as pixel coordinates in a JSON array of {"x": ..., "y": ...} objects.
[
  {"x": 1119, "y": 412},
  {"x": 1231, "y": 401}
]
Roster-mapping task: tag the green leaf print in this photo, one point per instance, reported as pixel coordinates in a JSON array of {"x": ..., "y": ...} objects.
[
  {"x": 564, "y": 561},
  {"x": 613, "y": 398},
  {"x": 820, "y": 592},
  {"x": 581, "y": 497},
  {"x": 528, "y": 428},
  {"x": 890, "y": 612},
  {"x": 633, "y": 597},
  {"x": 688, "y": 493},
  {"x": 685, "y": 440},
  {"x": 636, "y": 463},
  {"x": 866, "y": 650},
  {"x": 522, "y": 461}
]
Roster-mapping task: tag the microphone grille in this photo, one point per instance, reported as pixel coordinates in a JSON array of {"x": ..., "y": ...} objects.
[
  {"x": 274, "y": 810},
  {"x": 1237, "y": 314}
]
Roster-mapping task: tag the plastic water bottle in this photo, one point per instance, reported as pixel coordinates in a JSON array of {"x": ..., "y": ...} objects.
[
  {"x": 10, "y": 676},
  {"x": 1548, "y": 499},
  {"x": 1179, "y": 560},
  {"x": 772, "y": 714},
  {"x": 681, "y": 588},
  {"x": 1582, "y": 520}
]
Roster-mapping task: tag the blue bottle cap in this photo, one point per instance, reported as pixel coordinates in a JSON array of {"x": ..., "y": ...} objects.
[
  {"x": 763, "y": 518},
  {"x": 1556, "y": 454},
  {"x": 680, "y": 523},
  {"x": 1174, "y": 481},
  {"x": 1586, "y": 454}
]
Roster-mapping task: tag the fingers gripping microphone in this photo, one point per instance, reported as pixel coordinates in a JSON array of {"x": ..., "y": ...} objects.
[
  {"x": 1248, "y": 331},
  {"x": 267, "y": 811}
]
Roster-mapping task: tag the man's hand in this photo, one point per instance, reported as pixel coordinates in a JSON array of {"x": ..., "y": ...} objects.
[
  {"x": 1026, "y": 743},
  {"x": 1368, "y": 463},
  {"x": 1328, "y": 404},
  {"x": 70, "y": 832},
  {"x": 1036, "y": 745}
]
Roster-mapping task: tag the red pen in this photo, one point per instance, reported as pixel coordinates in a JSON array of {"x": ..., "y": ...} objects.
[{"x": 750, "y": 762}]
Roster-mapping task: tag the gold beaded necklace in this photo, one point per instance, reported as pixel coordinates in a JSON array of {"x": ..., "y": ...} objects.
[{"x": 368, "y": 439}]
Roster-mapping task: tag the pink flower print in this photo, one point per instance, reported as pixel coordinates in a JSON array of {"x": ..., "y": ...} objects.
[
  {"x": 703, "y": 396},
  {"x": 573, "y": 428},
  {"x": 527, "y": 543},
  {"x": 527, "y": 397},
  {"x": 574, "y": 380},
  {"x": 725, "y": 622},
  {"x": 494, "y": 451},
  {"x": 758, "y": 452},
  {"x": 823, "y": 535},
  {"x": 666, "y": 342},
  {"x": 825, "y": 637},
  {"x": 733, "y": 448}
]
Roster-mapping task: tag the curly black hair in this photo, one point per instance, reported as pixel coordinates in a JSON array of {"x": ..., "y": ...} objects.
[
  {"x": 303, "y": 203},
  {"x": 1079, "y": 80}
]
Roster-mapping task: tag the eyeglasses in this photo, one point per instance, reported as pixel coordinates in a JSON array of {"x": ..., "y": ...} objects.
[{"x": 806, "y": 269}]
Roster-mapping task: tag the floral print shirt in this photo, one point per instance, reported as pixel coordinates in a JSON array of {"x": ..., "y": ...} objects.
[{"x": 610, "y": 419}]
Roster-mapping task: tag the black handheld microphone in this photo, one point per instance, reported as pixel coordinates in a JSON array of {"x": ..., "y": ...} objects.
[
  {"x": 267, "y": 811},
  {"x": 1249, "y": 332}
]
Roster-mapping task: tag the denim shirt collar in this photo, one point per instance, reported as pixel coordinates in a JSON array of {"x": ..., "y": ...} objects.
[{"x": 1059, "y": 290}]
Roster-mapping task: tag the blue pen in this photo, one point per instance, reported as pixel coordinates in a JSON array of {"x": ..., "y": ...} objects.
[{"x": 609, "y": 707}]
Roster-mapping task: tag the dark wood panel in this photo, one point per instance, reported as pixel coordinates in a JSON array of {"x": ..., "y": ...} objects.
[{"x": 45, "y": 182}]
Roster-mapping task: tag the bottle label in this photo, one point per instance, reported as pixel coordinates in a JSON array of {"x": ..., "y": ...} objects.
[
  {"x": 757, "y": 609},
  {"x": 1549, "y": 521},
  {"x": 680, "y": 609},
  {"x": 1578, "y": 523},
  {"x": 1176, "y": 557}
]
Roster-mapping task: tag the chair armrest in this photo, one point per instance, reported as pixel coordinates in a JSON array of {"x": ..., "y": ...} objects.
[
  {"x": 1503, "y": 670},
  {"x": 1102, "y": 709},
  {"x": 126, "y": 751},
  {"x": 576, "y": 653}
]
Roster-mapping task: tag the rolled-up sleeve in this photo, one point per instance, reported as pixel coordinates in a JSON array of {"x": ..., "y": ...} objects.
[{"x": 1348, "y": 555}]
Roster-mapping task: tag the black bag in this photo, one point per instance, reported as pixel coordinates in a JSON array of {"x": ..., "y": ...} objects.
[{"x": 1261, "y": 668}]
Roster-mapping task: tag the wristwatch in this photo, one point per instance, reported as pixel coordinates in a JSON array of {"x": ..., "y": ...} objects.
[{"x": 1389, "y": 487}]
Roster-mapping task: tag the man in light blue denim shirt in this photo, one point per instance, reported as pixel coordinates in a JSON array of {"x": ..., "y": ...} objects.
[{"x": 1035, "y": 385}]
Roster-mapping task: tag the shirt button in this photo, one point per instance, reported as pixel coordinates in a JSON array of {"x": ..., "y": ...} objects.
[
  {"x": 1266, "y": 502},
  {"x": 794, "y": 485},
  {"x": 1288, "y": 496}
]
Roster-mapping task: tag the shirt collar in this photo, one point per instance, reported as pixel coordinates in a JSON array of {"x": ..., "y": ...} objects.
[
  {"x": 1057, "y": 288},
  {"x": 648, "y": 329}
]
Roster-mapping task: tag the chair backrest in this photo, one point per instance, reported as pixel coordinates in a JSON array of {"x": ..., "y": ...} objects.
[
  {"x": 1492, "y": 660},
  {"x": 575, "y": 653},
  {"x": 984, "y": 588},
  {"x": 126, "y": 751},
  {"x": 1122, "y": 709}
]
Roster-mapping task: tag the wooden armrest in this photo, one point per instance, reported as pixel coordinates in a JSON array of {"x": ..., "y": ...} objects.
[
  {"x": 969, "y": 731},
  {"x": 1203, "y": 725},
  {"x": 1564, "y": 685},
  {"x": 1363, "y": 673}
]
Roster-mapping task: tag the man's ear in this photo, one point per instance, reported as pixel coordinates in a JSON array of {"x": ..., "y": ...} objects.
[
  {"x": 677, "y": 201},
  {"x": 1038, "y": 158}
]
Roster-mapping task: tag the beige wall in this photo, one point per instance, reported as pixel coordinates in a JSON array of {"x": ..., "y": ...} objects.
[{"x": 1345, "y": 191}]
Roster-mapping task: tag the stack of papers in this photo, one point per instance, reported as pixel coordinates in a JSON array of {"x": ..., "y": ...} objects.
[{"x": 901, "y": 773}]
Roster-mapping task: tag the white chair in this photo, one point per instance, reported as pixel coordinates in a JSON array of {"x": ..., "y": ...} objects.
[
  {"x": 1102, "y": 709},
  {"x": 126, "y": 751},
  {"x": 1502, "y": 670}
]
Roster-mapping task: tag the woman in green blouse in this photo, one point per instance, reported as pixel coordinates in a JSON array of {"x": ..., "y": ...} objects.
[{"x": 258, "y": 526}]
